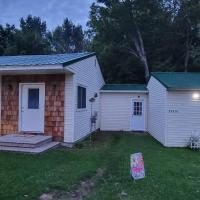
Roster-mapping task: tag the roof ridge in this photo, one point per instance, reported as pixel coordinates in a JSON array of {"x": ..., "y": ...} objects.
[
  {"x": 45, "y": 59},
  {"x": 59, "y": 54}
]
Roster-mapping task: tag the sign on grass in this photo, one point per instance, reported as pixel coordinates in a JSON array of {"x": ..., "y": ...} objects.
[{"x": 137, "y": 166}]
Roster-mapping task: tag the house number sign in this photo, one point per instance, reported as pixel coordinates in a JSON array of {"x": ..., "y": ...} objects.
[{"x": 173, "y": 111}]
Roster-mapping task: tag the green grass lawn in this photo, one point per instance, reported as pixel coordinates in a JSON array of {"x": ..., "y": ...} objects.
[{"x": 170, "y": 173}]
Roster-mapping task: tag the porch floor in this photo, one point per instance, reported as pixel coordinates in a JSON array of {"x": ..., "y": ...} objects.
[{"x": 26, "y": 143}]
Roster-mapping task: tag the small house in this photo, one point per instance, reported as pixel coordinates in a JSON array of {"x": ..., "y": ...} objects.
[{"x": 49, "y": 95}]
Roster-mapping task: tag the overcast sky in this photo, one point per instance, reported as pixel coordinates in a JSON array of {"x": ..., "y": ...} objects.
[{"x": 51, "y": 11}]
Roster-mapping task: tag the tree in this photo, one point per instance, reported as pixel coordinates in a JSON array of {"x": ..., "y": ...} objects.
[
  {"x": 161, "y": 34},
  {"x": 7, "y": 40},
  {"x": 67, "y": 38},
  {"x": 32, "y": 37},
  {"x": 186, "y": 26},
  {"x": 131, "y": 25}
]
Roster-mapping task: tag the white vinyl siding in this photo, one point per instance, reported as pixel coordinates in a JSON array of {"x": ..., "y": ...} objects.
[
  {"x": 184, "y": 119},
  {"x": 157, "y": 105},
  {"x": 116, "y": 110},
  {"x": 87, "y": 74},
  {"x": 69, "y": 113}
]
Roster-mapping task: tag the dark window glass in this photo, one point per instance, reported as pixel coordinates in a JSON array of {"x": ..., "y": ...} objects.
[
  {"x": 137, "y": 108},
  {"x": 81, "y": 97},
  {"x": 33, "y": 98}
]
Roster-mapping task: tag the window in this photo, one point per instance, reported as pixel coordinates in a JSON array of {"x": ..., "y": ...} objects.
[
  {"x": 137, "y": 108},
  {"x": 33, "y": 98},
  {"x": 81, "y": 97}
]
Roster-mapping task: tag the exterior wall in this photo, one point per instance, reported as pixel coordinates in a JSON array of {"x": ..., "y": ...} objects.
[
  {"x": 157, "y": 106},
  {"x": 116, "y": 110},
  {"x": 87, "y": 74},
  {"x": 183, "y": 118},
  {"x": 69, "y": 108},
  {"x": 54, "y": 103}
]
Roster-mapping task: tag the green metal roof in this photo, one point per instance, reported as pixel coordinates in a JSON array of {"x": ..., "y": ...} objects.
[
  {"x": 26, "y": 60},
  {"x": 178, "y": 80},
  {"x": 124, "y": 87}
]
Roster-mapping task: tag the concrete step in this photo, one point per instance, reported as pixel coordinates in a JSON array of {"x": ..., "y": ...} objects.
[
  {"x": 24, "y": 141},
  {"x": 35, "y": 150}
]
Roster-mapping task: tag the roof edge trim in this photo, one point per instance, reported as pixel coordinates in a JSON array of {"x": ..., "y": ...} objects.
[{"x": 78, "y": 59}]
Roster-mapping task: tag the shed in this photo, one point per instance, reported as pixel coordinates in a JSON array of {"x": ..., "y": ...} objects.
[{"x": 123, "y": 107}]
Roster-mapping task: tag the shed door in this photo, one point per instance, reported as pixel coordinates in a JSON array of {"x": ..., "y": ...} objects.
[
  {"x": 138, "y": 115},
  {"x": 32, "y": 107}
]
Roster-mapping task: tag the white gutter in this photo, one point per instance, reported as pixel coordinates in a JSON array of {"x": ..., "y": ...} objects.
[{"x": 30, "y": 69}]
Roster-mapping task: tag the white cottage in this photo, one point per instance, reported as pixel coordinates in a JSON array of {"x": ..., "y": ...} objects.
[{"x": 49, "y": 95}]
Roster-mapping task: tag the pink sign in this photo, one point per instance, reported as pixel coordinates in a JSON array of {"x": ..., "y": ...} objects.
[{"x": 137, "y": 166}]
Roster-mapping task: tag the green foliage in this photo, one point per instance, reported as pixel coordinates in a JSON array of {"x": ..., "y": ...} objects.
[
  {"x": 169, "y": 29},
  {"x": 170, "y": 173},
  {"x": 7, "y": 40},
  {"x": 67, "y": 38},
  {"x": 34, "y": 38}
]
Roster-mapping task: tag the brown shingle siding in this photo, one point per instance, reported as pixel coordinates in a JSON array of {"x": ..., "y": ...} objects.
[{"x": 54, "y": 103}]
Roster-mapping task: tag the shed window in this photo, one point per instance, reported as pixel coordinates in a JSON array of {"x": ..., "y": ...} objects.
[{"x": 81, "y": 97}]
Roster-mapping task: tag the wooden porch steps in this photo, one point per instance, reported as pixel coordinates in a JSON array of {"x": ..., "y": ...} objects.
[{"x": 27, "y": 143}]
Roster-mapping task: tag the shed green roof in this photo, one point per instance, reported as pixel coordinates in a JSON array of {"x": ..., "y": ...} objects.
[
  {"x": 27, "y": 60},
  {"x": 178, "y": 80},
  {"x": 124, "y": 87}
]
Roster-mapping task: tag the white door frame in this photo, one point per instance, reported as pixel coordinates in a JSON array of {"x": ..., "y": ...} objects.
[
  {"x": 143, "y": 99},
  {"x": 20, "y": 100}
]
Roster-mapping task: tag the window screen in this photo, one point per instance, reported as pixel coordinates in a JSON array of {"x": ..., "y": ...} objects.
[
  {"x": 81, "y": 97},
  {"x": 137, "y": 108},
  {"x": 33, "y": 98}
]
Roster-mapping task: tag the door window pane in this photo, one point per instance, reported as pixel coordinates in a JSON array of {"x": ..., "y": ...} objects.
[
  {"x": 33, "y": 98},
  {"x": 137, "y": 108}
]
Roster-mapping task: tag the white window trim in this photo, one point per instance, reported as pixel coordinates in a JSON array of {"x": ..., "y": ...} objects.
[
  {"x": 145, "y": 111},
  {"x": 20, "y": 99}
]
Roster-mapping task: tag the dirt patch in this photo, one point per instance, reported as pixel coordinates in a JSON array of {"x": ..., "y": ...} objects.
[{"x": 82, "y": 190}]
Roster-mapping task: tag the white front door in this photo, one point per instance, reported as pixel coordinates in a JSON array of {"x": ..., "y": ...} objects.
[
  {"x": 32, "y": 98},
  {"x": 138, "y": 115}
]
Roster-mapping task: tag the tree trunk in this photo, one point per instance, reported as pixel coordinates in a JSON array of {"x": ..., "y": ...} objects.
[
  {"x": 140, "y": 52},
  {"x": 188, "y": 45},
  {"x": 187, "y": 56},
  {"x": 146, "y": 70}
]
